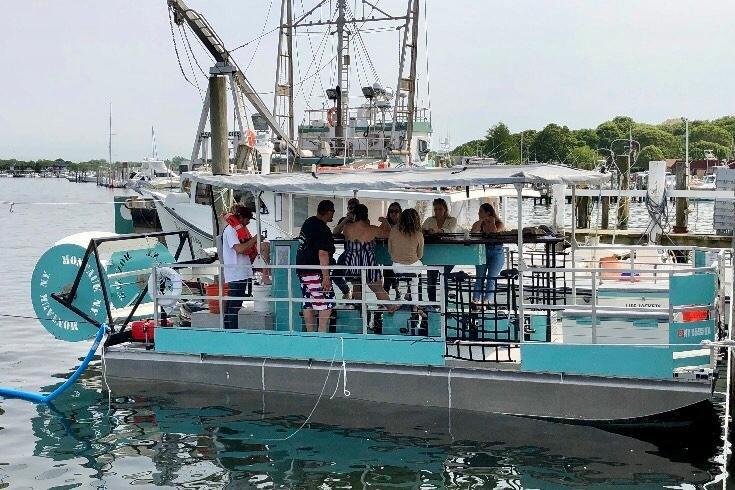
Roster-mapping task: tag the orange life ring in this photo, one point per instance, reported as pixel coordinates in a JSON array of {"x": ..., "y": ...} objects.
[
  {"x": 250, "y": 138},
  {"x": 332, "y": 117}
]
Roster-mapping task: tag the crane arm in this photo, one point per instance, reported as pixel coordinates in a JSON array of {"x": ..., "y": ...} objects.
[{"x": 216, "y": 47}]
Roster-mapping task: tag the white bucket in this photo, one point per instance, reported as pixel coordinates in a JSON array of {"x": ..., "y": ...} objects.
[{"x": 260, "y": 293}]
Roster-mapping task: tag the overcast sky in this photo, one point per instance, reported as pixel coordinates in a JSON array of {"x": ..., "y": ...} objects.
[{"x": 523, "y": 62}]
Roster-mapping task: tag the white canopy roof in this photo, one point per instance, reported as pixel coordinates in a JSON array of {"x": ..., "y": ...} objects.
[{"x": 401, "y": 178}]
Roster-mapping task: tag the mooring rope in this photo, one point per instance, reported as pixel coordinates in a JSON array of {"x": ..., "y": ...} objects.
[{"x": 321, "y": 394}]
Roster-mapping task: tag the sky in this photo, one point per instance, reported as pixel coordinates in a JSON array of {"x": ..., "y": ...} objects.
[{"x": 524, "y": 62}]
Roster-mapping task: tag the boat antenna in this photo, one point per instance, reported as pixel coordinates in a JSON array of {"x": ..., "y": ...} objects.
[{"x": 109, "y": 138}]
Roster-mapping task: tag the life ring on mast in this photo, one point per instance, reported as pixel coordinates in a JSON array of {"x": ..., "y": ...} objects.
[
  {"x": 332, "y": 117},
  {"x": 168, "y": 286},
  {"x": 250, "y": 138}
]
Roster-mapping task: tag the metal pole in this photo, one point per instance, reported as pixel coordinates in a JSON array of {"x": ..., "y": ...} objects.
[
  {"x": 594, "y": 307},
  {"x": 289, "y": 272},
  {"x": 363, "y": 285},
  {"x": 521, "y": 263},
  {"x": 574, "y": 244}
]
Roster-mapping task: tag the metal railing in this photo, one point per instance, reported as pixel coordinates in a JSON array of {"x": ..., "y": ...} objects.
[{"x": 285, "y": 301}]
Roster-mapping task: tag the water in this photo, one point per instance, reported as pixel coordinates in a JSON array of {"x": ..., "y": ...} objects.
[{"x": 172, "y": 435}]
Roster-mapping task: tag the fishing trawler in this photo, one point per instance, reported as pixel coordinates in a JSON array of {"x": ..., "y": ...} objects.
[
  {"x": 625, "y": 337},
  {"x": 382, "y": 127}
]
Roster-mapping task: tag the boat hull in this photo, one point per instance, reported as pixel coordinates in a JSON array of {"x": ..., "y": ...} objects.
[{"x": 462, "y": 387}]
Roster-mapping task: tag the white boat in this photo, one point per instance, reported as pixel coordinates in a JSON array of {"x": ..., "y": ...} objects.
[
  {"x": 706, "y": 183},
  {"x": 153, "y": 174}
]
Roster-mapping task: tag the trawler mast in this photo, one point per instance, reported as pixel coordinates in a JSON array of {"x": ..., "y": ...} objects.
[{"x": 405, "y": 100}]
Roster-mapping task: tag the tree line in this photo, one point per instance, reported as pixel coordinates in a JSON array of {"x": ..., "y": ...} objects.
[
  {"x": 85, "y": 166},
  {"x": 582, "y": 148}
]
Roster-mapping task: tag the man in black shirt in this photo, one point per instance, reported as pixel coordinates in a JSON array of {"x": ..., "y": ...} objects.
[{"x": 316, "y": 247}]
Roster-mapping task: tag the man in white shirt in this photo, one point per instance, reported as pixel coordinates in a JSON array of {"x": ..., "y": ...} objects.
[{"x": 237, "y": 270}]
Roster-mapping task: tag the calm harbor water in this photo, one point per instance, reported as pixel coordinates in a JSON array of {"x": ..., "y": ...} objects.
[{"x": 176, "y": 436}]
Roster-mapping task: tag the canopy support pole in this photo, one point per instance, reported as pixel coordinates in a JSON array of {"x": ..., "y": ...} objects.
[
  {"x": 574, "y": 244},
  {"x": 521, "y": 263}
]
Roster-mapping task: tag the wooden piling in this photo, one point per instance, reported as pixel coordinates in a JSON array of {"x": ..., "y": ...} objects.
[
  {"x": 682, "y": 204},
  {"x": 218, "y": 124},
  {"x": 624, "y": 202}
]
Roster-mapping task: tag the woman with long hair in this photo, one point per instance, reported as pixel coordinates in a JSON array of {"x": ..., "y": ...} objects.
[
  {"x": 389, "y": 222},
  {"x": 487, "y": 274},
  {"x": 406, "y": 247},
  {"x": 359, "y": 251},
  {"x": 439, "y": 222}
]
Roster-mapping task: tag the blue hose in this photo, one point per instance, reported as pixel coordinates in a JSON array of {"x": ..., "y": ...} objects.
[{"x": 39, "y": 398}]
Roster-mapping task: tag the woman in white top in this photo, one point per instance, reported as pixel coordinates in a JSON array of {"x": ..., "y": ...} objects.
[{"x": 440, "y": 222}]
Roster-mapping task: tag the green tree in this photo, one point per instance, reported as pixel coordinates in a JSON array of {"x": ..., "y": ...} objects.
[
  {"x": 664, "y": 141},
  {"x": 727, "y": 123},
  {"x": 553, "y": 143},
  {"x": 608, "y": 132},
  {"x": 648, "y": 153},
  {"x": 582, "y": 157},
  {"x": 471, "y": 148},
  {"x": 587, "y": 136},
  {"x": 624, "y": 123},
  {"x": 700, "y": 149},
  {"x": 500, "y": 143},
  {"x": 710, "y": 133},
  {"x": 528, "y": 139}
]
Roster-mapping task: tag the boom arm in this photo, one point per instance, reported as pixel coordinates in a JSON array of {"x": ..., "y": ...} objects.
[{"x": 212, "y": 42}]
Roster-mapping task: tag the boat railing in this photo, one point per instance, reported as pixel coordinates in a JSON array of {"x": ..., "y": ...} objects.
[{"x": 280, "y": 305}]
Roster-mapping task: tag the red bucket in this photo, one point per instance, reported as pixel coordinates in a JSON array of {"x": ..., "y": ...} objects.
[{"x": 213, "y": 290}]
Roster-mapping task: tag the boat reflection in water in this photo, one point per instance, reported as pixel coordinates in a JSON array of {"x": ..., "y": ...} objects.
[{"x": 172, "y": 435}]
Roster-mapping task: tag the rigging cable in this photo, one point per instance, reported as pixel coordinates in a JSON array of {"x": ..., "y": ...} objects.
[
  {"x": 311, "y": 47},
  {"x": 176, "y": 50},
  {"x": 255, "y": 39},
  {"x": 191, "y": 66},
  {"x": 260, "y": 38},
  {"x": 188, "y": 44}
]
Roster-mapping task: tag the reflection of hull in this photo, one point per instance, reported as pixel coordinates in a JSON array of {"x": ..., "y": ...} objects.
[
  {"x": 479, "y": 389},
  {"x": 253, "y": 434},
  {"x": 212, "y": 436}
]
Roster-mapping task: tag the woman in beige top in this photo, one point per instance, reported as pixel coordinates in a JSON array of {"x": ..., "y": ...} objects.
[
  {"x": 441, "y": 222},
  {"x": 406, "y": 247}
]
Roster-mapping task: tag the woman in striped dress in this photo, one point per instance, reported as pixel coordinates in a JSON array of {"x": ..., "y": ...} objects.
[{"x": 359, "y": 251}]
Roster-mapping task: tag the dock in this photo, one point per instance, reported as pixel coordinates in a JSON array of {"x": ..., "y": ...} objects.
[{"x": 632, "y": 237}]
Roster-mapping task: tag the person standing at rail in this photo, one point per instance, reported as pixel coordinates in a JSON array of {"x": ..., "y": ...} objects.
[
  {"x": 487, "y": 274},
  {"x": 237, "y": 268},
  {"x": 316, "y": 247}
]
